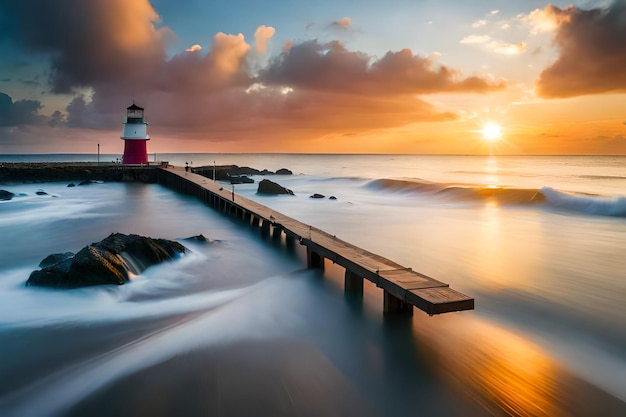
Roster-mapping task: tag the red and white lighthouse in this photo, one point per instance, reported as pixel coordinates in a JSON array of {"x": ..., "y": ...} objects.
[{"x": 135, "y": 136}]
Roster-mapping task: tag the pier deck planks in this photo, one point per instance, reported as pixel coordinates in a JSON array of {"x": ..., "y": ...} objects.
[{"x": 425, "y": 293}]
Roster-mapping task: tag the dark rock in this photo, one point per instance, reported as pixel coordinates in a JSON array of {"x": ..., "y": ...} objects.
[
  {"x": 316, "y": 195},
  {"x": 6, "y": 195},
  {"x": 86, "y": 182},
  {"x": 270, "y": 187},
  {"x": 197, "y": 238},
  {"x": 55, "y": 258},
  {"x": 71, "y": 184},
  {"x": 241, "y": 179},
  {"x": 110, "y": 261},
  {"x": 332, "y": 197},
  {"x": 224, "y": 172},
  {"x": 41, "y": 192}
]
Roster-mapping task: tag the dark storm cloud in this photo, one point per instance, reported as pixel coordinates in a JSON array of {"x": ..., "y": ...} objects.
[
  {"x": 90, "y": 42},
  {"x": 21, "y": 112},
  {"x": 592, "y": 45}
]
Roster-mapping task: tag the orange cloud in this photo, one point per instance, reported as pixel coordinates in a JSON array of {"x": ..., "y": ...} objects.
[
  {"x": 315, "y": 66},
  {"x": 194, "y": 48},
  {"x": 89, "y": 41},
  {"x": 262, "y": 35},
  {"x": 592, "y": 54},
  {"x": 228, "y": 52},
  {"x": 344, "y": 22}
]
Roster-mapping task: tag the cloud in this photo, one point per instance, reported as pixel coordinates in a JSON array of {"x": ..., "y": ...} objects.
[
  {"x": 262, "y": 35},
  {"x": 89, "y": 41},
  {"x": 479, "y": 23},
  {"x": 343, "y": 23},
  {"x": 194, "y": 48},
  {"x": 592, "y": 52},
  {"x": 115, "y": 50},
  {"x": 476, "y": 39},
  {"x": 21, "y": 112},
  {"x": 545, "y": 20},
  {"x": 507, "y": 48},
  {"x": 497, "y": 46},
  {"x": 331, "y": 67}
]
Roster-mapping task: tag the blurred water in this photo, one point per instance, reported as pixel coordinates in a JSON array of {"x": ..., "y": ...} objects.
[{"x": 548, "y": 281}]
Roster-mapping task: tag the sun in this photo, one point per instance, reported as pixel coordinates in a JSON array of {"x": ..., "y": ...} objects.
[{"x": 491, "y": 132}]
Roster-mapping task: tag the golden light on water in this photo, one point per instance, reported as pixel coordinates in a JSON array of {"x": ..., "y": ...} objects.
[{"x": 502, "y": 371}]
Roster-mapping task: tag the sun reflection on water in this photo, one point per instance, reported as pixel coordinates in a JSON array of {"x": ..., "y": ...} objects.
[{"x": 503, "y": 372}]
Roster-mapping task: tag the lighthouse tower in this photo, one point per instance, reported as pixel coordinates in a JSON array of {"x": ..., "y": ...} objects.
[{"x": 135, "y": 136}]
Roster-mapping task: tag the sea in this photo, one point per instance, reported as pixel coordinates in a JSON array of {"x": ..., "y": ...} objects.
[{"x": 240, "y": 327}]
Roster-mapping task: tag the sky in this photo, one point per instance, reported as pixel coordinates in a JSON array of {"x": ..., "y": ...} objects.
[{"x": 325, "y": 76}]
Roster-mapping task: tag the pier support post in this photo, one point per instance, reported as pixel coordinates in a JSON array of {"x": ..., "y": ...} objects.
[
  {"x": 394, "y": 305},
  {"x": 314, "y": 259},
  {"x": 247, "y": 217},
  {"x": 265, "y": 227},
  {"x": 290, "y": 241},
  {"x": 276, "y": 232},
  {"x": 353, "y": 282},
  {"x": 255, "y": 221}
]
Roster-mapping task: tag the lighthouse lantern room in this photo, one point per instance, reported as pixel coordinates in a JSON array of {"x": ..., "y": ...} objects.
[{"x": 135, "y": 136}]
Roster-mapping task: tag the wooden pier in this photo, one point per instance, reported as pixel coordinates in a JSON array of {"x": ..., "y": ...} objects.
[{"x": 403, "y": 288}]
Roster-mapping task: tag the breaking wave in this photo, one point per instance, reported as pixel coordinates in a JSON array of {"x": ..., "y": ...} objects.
[
  {"x": 584, "y": 203},
  {"x": 547, "y": 196}
]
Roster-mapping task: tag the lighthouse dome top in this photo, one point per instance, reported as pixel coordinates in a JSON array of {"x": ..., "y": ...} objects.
[{"x": 134, "y": 107}]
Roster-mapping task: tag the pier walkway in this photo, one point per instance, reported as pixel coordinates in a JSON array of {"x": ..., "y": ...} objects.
[{"x": 403, "y": 287}]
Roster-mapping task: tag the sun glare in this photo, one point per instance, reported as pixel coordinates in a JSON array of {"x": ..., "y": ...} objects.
[{"x": 491, "y": 132}]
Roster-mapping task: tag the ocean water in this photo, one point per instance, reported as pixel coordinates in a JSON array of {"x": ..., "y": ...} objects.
[{"x": 240, "y": 326}]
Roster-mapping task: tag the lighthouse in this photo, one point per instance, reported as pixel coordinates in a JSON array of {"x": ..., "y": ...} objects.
[{"x": 135, "y": 136}]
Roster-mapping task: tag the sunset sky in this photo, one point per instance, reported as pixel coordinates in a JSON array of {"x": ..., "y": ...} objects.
[{"x": 324, "y": 76}]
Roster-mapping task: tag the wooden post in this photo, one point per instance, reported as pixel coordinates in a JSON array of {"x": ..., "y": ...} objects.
[
  {"x": 314, "y": 259},
  {"x": 394, "y": 305},
  {"x": 265, "y": 227},
  {"x": 353, "y": 282},
  {"x": 276, "y": 232},
  {"x": 290, "y": 240}
]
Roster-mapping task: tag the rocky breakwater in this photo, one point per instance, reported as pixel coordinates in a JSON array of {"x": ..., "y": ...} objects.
[
  {"x": 234, "y": 172},
  {"x": 113, "y": 260},
  {"x": 27, "y": 172}
]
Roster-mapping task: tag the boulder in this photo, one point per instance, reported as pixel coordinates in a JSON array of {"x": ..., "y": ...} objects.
[
  {"x": 113, "y": 260},
  {"x": 41, "y": 192},
  {"x": 71, "y": 184},
  {"x": 284, "y": 171},
  {"x": 6, "y": 195},
  {"x": 55, "y": 258},
  {"x": 198, "y": 238},
  {"x": 270, "y": 187},
  {"x": 240, "y": 179},
  {"x": 316, "y": 195},
  {"x": 332, "y": 197}
]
